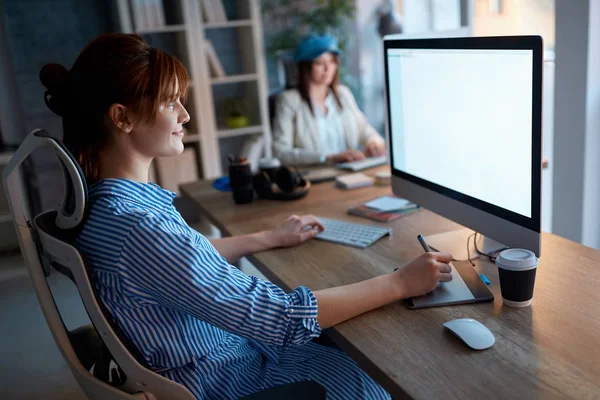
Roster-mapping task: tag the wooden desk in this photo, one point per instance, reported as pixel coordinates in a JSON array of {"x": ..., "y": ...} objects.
[{"x": 550, "y": 350}]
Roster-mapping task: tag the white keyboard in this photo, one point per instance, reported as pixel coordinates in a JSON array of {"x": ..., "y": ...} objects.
[
  {"x": 363, "y": 164},
  {"x": 351, "y": 234}
]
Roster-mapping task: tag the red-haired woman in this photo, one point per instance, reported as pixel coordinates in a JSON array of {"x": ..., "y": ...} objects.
[{"x": 195, "y": 318}]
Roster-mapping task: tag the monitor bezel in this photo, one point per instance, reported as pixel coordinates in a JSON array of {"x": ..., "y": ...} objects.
[{"x": 533, "y": 43}]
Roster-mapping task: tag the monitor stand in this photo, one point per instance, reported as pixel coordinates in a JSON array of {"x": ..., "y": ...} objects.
[{"x": 455, "y": 242}]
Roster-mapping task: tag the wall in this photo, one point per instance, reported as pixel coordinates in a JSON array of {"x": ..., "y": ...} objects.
[
  {"x": 11, "y": 117},
  {"x": 39, "y": 32},
  {"x": 42, "y": 31},
  {"x": 577, "y": 121},
  {"x": 270, "y": 28},
  {"x": 517, "y": 17},
  {"x": 370, "y": 63},
  {"x": 591, "y": 182}
]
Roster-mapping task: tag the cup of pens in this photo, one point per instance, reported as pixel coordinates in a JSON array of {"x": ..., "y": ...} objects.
[{"x": 240, "y": 178}]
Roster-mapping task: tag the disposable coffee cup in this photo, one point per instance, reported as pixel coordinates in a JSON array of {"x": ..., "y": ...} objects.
[
  {"x": 517, "y": 268},
  {"x": 269, "y": 165}
]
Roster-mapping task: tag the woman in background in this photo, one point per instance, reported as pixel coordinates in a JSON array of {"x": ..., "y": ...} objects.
[
  {"x": 194, "y": 317},
  {"x": 319, "y": 122}
]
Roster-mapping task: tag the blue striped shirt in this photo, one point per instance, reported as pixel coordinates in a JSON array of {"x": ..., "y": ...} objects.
[{"x": 195, "y": 318}]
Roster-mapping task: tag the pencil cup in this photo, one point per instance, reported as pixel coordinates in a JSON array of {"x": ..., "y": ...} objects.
[
  {"x": 516, "y": 269},
  {"x": 240, "y": 177}
]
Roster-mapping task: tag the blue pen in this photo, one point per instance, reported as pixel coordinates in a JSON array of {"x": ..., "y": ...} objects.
[
  {"x": 424, "y": 244},
  {"x": 485, "y": 279}
]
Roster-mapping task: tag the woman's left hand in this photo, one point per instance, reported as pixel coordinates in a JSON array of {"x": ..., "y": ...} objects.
[
  {"x": 375, "y": 149},
  {"x": 295, "y": 230}
]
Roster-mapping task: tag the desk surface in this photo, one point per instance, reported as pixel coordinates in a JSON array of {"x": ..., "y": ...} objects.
[{"x": 549, "y": 350}]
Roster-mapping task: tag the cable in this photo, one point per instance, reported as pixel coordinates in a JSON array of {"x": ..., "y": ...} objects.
[
  {"x": 491, "y": 256},
  {"x": 469, "y": 252}
]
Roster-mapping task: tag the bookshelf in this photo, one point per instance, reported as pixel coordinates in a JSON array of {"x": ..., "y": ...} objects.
[{"x": 236, "y": 70}]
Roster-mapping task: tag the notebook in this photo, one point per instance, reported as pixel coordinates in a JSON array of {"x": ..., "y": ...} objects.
[
  {"x": 318, "y": 175},
  {"x": 353, "y": 181},
  {"x": 384, "y": 208},
  {"x": 388, "y": 203}
]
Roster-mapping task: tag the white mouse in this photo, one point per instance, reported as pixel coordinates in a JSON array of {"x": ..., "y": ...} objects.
[{"x": 475, "y": 335}]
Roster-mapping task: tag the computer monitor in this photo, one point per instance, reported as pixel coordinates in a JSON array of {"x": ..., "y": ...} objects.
[{"x": 464, "y": 123}]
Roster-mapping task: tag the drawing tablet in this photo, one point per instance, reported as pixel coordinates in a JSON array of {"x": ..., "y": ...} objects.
[{"x": 466, "y": 287}]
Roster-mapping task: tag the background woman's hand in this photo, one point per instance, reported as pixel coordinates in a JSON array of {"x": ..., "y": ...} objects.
[
  {"x": 375, "y": 149},
  {"x": 295, "y": 230},
  {"x": 422, "y": 274},
  {"x": 345, "y": 156}
]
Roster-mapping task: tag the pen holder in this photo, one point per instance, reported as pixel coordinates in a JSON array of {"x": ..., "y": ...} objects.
[{"x": 240, "y": 177}]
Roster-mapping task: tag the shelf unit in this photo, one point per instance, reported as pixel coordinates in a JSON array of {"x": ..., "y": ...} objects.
[
  {"x": 238, "y": 43},
  {"x": 228, "y": 24}
]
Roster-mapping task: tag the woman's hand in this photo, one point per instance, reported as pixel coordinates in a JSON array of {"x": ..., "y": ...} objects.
[
  {"x": 295, "y": 230},
  {"x": 375, "y": 149},
  {"x": 422, "y": 274},
  {"x": 345, "y": 156}
]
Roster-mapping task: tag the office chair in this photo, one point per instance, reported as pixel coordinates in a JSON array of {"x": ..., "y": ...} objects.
[
  {"x": 46, "y": 240},
  {"x": 287, "y": 75}
]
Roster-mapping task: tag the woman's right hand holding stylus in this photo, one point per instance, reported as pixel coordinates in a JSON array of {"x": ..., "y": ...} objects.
[{"x": 422, "y": 274}]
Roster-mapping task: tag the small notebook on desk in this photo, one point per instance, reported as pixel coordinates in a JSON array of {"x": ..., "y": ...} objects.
[
  {"x": 384, "y": 208},
  {"x": 353, "y": 181},
  {"x": 318, "y": 175}
]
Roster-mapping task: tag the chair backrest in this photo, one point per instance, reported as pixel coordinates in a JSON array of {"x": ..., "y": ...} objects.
[
  {"x": 287, "y": 69},
  {"x": 287, "y": 75},
  {"x": 47, "y": 239}
]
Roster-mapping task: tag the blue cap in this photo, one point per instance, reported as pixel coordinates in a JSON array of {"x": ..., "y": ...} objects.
[{"x": 313, "y": 46}]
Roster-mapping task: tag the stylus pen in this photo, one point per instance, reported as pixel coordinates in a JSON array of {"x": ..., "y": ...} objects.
[
  {"x": 425, "y": 247},
  {"x": 424, "y": 244}
]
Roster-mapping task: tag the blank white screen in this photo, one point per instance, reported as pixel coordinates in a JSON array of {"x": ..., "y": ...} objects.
[{"x": 463, "y": 119}]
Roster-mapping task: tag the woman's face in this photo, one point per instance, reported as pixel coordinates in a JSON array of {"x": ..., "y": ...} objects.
[
  {"x": 323, "y": 69},
  {"x": 164, "y": 137}
]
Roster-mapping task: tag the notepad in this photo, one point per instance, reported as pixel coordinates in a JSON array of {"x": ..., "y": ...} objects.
[
  {"x": 318, "y": 175},
  {"x": 388, "y": 203},
  {"x": 353, "y": 181}
]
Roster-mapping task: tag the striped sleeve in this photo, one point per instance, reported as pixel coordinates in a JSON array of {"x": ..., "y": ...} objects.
[{"x": 169, "y": 266}]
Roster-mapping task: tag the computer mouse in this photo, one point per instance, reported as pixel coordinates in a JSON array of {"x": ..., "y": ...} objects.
[{"x": 473, "y": 333}]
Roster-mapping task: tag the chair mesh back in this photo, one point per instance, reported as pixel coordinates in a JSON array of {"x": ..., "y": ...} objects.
[
  {"x": 69, "y": 201},
  {"x": 46, "y": 223}
]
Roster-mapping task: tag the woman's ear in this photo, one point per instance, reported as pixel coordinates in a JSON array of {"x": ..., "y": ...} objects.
[{"x": 120, "y": 116}]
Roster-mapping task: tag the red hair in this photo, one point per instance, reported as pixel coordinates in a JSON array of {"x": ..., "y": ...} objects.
[{"x": 113, "y": 68}]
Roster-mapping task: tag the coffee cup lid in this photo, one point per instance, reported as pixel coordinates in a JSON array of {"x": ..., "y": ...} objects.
[
  {"x": 269, "y": 163},
  {"x": 517, "y": 260}
]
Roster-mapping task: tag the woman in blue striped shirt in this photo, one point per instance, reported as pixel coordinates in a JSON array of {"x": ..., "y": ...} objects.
[{"x": 195, "y": 318}]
